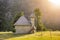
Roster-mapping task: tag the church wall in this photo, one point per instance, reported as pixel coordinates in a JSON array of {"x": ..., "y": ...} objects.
[{"x": 22, "y": 29}]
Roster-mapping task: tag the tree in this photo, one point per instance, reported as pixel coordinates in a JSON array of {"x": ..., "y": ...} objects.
[
  {"x": 17, "y": 16},
  {"x": 38, "y": 23}
]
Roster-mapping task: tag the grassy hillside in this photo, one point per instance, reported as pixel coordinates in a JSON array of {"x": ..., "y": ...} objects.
[{"x": 36, "y": 36}]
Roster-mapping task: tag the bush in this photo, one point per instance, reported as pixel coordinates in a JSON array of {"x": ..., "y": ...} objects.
[{"x": 14, "y": 30}]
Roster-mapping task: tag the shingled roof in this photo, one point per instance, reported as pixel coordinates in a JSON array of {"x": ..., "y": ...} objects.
[{"x": 22, "y": 21}]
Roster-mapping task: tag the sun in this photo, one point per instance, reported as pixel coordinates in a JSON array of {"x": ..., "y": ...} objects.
[{"x": 55, "y": 2}]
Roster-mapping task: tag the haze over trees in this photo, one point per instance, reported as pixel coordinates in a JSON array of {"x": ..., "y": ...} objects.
[
  {"x": 3, "y": 11},
  {"x": 9, "y": 8}
]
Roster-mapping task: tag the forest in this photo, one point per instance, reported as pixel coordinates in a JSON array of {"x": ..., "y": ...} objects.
[{"x": 9, "y": 9}]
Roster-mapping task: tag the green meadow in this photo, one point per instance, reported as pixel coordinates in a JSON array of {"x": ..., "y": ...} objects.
[{"x": 45, "y": 35}]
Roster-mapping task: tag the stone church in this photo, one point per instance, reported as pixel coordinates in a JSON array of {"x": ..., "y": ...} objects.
[{"x": 23, "y": 25}]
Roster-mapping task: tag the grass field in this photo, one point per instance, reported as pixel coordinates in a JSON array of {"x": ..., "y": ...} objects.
[{"x": 55, "y": 35}]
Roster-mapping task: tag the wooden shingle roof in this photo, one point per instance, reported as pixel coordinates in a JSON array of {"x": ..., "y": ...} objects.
[{"x": 22, "y": 21}]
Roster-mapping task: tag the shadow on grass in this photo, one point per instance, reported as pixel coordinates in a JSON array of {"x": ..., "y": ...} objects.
[{"x": 10, "y": 35}]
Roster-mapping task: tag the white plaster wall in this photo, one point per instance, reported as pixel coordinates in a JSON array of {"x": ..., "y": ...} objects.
[{"x": 22, "y": 29}]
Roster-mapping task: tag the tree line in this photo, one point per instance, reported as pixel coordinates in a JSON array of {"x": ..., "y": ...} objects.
[{"x": 8, "y": 25}]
